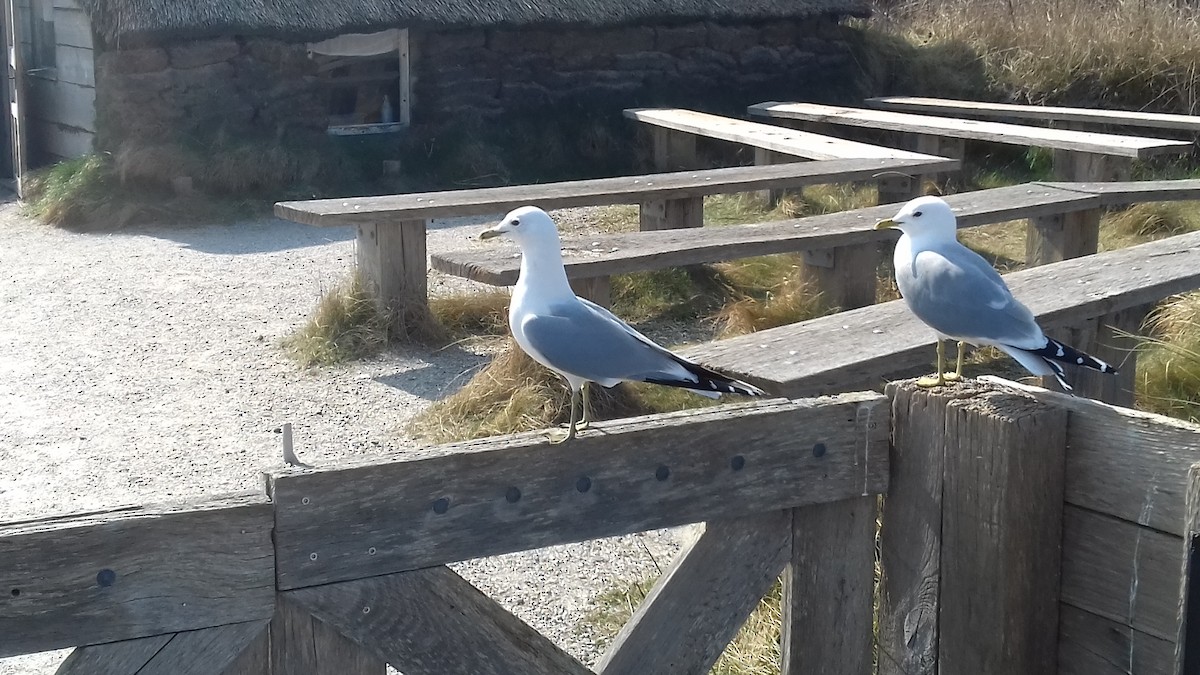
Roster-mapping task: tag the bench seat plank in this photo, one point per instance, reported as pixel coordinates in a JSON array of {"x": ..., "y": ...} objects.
[
  {"x": 859, "y": 348},
  {"x": 393, "y": 209},
  {"x": 604, "y": 255},
  {"x": 996, "y": 132},
  {"x": 1135, "y": 192},
  {"x": 1050, "y": 113},
  {"x": 766, "y": 136}
]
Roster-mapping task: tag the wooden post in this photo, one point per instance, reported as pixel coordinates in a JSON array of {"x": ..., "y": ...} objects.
[
  {"x": 671, "y": 214},
  {"x": 1061, "y": 236},
  {"x": 764, "y": 157},
  {"x": 393, "y": 267},
  {"x": 673, "y": 150},
  {"x": 301, "y": 643},
  {"x": 828, "y": 589},
  {"x": 596, "y": 289},
  {"x": 942, "y": 146},
  {"x": 897, "y": 188},
  {"x": 845, "y": 276},
  {"x": 1187, "y": 647},
  {"x": 1110, "y": 341},
  {"x": 971, "y": 532}
]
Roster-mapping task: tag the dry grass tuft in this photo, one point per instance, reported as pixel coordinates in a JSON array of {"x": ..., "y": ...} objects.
[
  {"x": 789, "y": 301},
  {"x": 1168, "y": 377},
  {"x": 346, "y": 325},
  {"x": 753, "y": 651},
  {"x": 1155, "y": 220},
  {"x": 483, "y": 313}
]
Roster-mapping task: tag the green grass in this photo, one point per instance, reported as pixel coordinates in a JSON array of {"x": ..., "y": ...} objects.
[
  {"x": 754, "y": 651},
  {"x": 346, "y": 325}
]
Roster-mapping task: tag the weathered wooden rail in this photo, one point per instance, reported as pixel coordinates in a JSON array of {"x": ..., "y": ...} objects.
[
  {"x": 1023, "y": 531},
  {"x": 1042, "y": 113}
]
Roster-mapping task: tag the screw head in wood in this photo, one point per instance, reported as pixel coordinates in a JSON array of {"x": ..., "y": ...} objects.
[
  {"x": 366, "y": 610},
  {"x": 737, "y": 463},
  {"x": 312, "y": 556},
  {"x": 583, "y": 484},
  {"x": 106, "y": 578},
  {"x": 304, "y": 501},
  {"x": 662, "y": 472},
  {"x": 441, "y": 505},
  {"x": 16, "y": 592},
  {"x": 512, "y": 495},
  {"x": 819, "y": 450},
  {"x": 371, "y": 551}
]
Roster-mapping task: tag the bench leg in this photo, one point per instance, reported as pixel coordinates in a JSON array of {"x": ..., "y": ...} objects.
[
  {"x": 1089, "y": 167},
  {"x": 897, "y": 188},
  {"x": 764, "y": 157},
  {"x": 671, "y": 214},
  {"x": 673, "y": 150},
  {"x": 1107, "y": 338},
  {"x": 596, "y": 289},
  {"x": 942, "y": 146},
  {"x": 393, "y": 267},
  {"x": 1062, "y": 236},
  {"x": 845, "y": 276}
]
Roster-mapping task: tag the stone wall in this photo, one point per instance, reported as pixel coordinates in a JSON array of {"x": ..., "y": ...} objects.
[{"x": 260, "y": 86}]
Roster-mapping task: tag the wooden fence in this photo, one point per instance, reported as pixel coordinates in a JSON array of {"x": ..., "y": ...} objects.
[{"x": 1022, "y": 532}]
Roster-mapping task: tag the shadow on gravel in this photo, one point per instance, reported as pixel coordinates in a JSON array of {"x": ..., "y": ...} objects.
[
  {"x": 266, "y": 236},
  {"x": 453, "y": 369}
]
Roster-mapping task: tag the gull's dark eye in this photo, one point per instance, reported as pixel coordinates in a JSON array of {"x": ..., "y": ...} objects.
[
  {"x": 916, "y": 214},
  {"x": 515, "y": 222}
]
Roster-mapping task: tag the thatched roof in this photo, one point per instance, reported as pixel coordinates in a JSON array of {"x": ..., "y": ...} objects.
[{"x": 120, "y": 21}]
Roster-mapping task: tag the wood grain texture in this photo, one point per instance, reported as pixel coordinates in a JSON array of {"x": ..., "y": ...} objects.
[
  {"x": 606, "y": 254},
  {"x": 255, "y": 659},
  {"x": 828, "y": 589},
  {"x": 301, "y": 643},
  {"x": 395, "y": 209},
  {"x": 113, "y": 658},
  {"x": 758, "y": 135},
  {"x": 702, "y": 600},
  {"x": 503, "y": 494},
  {"x": 1092, "y": 645},
  {"x": 1098, "y": 116},
  {"x": 204, "y": 652},
  {"x": 1122, "y": 571},
  {"x": 432, "y": 622},
  {"x": 1125, "y": 463},
  {"x": 1002, "y": 502},
  {"x": 392, "y": 265},
  {"x": 861, "y": 347},
  {"x": 1062, "y": 236},
  {"x": 911, "y": 534},
  {"x": 88, "y": 579},
  {"x": 994, "y": 132}
]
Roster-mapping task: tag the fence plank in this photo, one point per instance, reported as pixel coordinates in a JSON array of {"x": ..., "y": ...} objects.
[
  {"x": 204, "y": 652},
  {"x": 1002, "y": 498},
  {"x": 432, "y": 622},
  {"x": 1092, "y": 645},
  {"x": 301, "y": 643},
  {"x": 513, "y": 493},
  {"x": 828, "y": 589},
  {"x": 696, "y": 608},
  {"x": 910, "y": 567},
  {"x": 1121, "y": 571},
  {"x": 113, "y": 658},
  {"x": 89, "y": 579},
  {"x": 1125, "y": 463}
]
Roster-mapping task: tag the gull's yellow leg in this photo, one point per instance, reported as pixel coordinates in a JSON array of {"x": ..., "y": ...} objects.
[
  {"x": 557, "y": 436},
  {"x": 939, "y": 379},
  {"x": 587, "y": 408},
  {"x": 956, "y": 376}
]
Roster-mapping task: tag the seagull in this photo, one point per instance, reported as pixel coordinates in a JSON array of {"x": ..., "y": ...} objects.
[
  {"x": 580, "y": 340},
  {"x": 958, "y": 294}
]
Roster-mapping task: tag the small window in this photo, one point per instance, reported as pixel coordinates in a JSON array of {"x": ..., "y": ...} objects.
[
  {"x": 367, "y": 79},
  {"x": 42, "y": 60}
]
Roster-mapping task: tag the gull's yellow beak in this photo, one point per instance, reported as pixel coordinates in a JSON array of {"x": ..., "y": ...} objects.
[
  {"x": 885, "y": 224},
  {"x": 489, "y": 234}
]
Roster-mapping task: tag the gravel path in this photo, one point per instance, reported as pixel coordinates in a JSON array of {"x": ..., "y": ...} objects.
[{"x": 144, "y": 366}]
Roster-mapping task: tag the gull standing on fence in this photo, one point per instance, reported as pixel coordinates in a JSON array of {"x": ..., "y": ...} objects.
[
  {"x": 580, "y": 340},
  {"x": 961, "y": 297}
]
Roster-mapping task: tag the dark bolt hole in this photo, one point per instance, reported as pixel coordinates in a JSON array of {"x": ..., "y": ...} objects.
[
  {"x": 819, "y": 450},
  {"x": 512, "y": 495},
  {"x": 662, "y": 473},
  {"x": 737, "y": 463},
  {"x": 106, "y": 578},
  {"x": 441, "y": 505},
  {"x": 583, "y": 484},
  {"x": 16, "y": 592}
]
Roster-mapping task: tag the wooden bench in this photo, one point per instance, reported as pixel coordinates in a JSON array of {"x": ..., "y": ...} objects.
[
  {"x": 833, "y": 244},
  {"x": 674, "y": 132},
  {"x": 1046, "y": 113},
  {"x": 851, "y": 350},
  {"x": 391, "y": 249}
]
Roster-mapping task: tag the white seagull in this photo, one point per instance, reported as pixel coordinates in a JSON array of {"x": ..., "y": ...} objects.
[
  {"x": 961, "y": 297},
  {"x": 580, "y": 340}
]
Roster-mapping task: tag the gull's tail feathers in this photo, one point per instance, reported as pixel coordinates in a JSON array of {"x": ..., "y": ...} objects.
[
  {"x": 1053, "y": 355},
  {"x": 708, "y": 382}
]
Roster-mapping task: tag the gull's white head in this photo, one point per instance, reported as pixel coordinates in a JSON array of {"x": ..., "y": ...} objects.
[
  {"x": 925, "y": 217},
  {"x": 525, "y": 225}
]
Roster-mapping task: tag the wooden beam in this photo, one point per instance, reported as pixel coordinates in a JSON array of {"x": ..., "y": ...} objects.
[
  {"x": 109, "y": 576},
  {"x": 828, "y": 589},
  {"x": 1119, "y": 194},
  {"x": 393, "y": 268},
  {"x": 432, "y": 622},
  {"x": 1037, "y": 112},
  {"x": 498, "y": 495},
  {"x": 1121, "y": 571},
  {"x": 301, "y": 643},
  {"x": 397, "y": 209},
  {"x": 208, "y": 651},
  {"x": 696, "y": 608},
  {"x": 1001, "y": 530},
  {"x": 1093, "y": 645}
]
